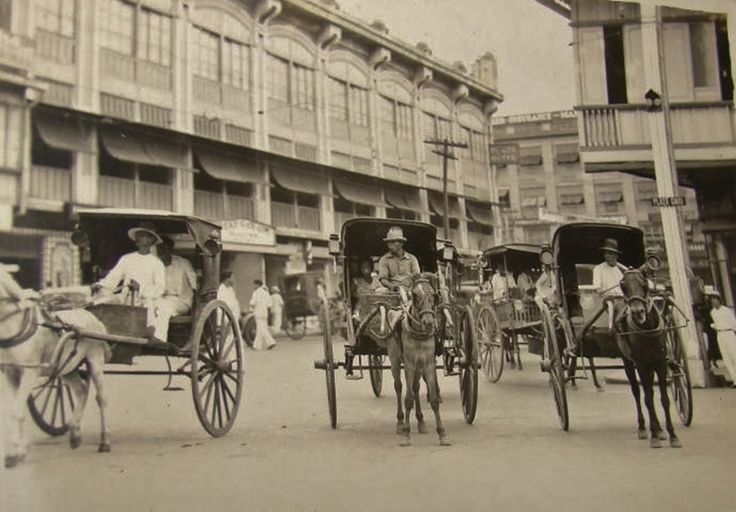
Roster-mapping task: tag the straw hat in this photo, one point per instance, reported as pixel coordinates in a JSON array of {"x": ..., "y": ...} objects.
[
  {"x": 610, "y": 245},
  {"x": 710, "y": 291},
  {"x": 144, "y": 227},
  {"x": 10, "y": 269},
  {"x": 395, "y": 234}
]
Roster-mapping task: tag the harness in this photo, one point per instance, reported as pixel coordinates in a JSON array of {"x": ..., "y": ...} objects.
[{"x": 28, "y": 326}]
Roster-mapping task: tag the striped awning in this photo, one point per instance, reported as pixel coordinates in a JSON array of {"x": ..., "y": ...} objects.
[
  {"x": 360, "y": 193},
  {"x": 300, "y": 180},
  {"x": 229, "y": 166}
]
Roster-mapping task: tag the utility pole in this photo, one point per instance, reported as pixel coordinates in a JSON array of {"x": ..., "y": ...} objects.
[
  {"x": 446, "y": 155},
  {"x": 667, "y": 184}
]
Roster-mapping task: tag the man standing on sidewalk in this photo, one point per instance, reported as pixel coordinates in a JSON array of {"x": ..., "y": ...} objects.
[{"x": 260, "y": 301}]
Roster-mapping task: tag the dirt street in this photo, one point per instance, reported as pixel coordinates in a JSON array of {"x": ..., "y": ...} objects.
[{"x": 282, "y": 455}]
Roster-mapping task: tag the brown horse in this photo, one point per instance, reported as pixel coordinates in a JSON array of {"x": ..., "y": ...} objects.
[
  {"x": 418, "y": 333},
  {"x": 35, "y": 344},
  {"x": 642, "y": 327}
]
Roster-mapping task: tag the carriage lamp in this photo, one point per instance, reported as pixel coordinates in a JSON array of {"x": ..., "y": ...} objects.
[
  {"x": 448, "y": 252},
  {"x": 653, "y": 101},
  {"x": 213, "y": 245},
  {"x": 333, "y": 245},
  {"x": 79, "y": 238},
  {"x": 652, "y": 258},
  {"x": 546, "y": 257}
]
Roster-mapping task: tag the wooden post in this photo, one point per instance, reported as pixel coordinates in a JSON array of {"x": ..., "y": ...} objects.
[
  {"x": 446, "y": 155},
  {"x": 667, "y": 184}
]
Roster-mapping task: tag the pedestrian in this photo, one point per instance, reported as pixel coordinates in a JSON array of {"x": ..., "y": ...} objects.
[
  {"x": 260, "y": 301},
  {"x": 277, "y": 309},
  {"x": 724, "y": 323},
  {"x": 226, "y": 293}
]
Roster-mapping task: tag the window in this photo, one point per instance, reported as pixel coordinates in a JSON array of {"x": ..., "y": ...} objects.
[
  {"x": 118, "y": 26},
  {"x": 6, "y": 14},
  {"x": 290, "y": 83},
  {"x": 702, "y": 54},
  {"x": 278, "y": 78},
  {"x": 396, "y": 118},
  {"x": 358, "y": 105},
  {"x": 10, "y": 139},
  {"x": 206, "y": 54},
  {"x": 338, "y": 99},
  {"x": 613, "y": 42},
  {"x": 235, "y": 65},
  {"x": 154, "y": 37},
  {"x": 724, "y": 60},
  {"x": 302, "y": 87},
  {"x": 477, "y": 150},
  {"x": 55, "y": 16}
]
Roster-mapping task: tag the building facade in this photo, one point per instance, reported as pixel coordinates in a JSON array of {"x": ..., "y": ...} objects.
[
  {"x": 278, "y": 118},
  {"x": 549, "y": 186},
  {"x": 697, "y": 50}
]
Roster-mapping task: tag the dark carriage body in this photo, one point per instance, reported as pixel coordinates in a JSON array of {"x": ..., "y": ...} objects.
[{"x": 299, "y": 291}]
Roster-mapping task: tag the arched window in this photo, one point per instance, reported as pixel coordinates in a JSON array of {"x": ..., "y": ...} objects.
[
  {"x": 347, "y": 99},
  {"x": 395, "y": 114}
]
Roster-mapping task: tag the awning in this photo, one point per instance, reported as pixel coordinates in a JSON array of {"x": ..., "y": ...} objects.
[
  {"x": 437, "y": 206},
  {"x": 567, "y": 158},
  {"x": 529, "y": 201},
  {"x": 138, "y": 148},
  {"x": 480, "y": 213},
  {"x": 611, "y": 197},
  {"x": 530, "y": 160},
  {"x": 300, "y": 181},
  {"x": 229, "y": 166},
  {"x": 359, "y": 193},
  {"x": 408, "y": 199},
  {"x": 568, "y": 199},
  {"x": 67, "y": 133}
]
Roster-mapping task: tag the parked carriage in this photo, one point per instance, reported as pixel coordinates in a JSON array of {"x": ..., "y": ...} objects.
[
  {"x": 504, "y": 324},
  {"x": 362, "y": 239},
  {"x": 577, "y": 328},
  {"x": 205, "y": 344}
]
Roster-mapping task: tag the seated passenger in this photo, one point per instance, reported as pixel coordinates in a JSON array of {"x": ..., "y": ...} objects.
[
  {"x": 397, "y": 267},
  {"x": 546, "y": 287},
  {"x": 181, "y": 282},
  {"x": 502, "y": 282},
  {"x": 524, "y": 283},
  {"x": 364, "y": 282}
]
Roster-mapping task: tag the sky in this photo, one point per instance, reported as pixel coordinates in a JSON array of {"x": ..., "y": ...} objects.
[{"x": 530, "y": 42}]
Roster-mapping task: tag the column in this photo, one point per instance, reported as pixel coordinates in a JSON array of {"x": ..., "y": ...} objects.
[
  {"x": 263, "y": 198},
  {"x": 722, "y": 265},
  {"x": 666, "y": 175},
  {"x": 327, "y": 210}
]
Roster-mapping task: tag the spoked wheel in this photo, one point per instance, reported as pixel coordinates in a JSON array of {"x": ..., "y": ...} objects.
[
  {"x": 249, "y": 329},
  {"x": 375, "y": 370},
  {"x": 490, "y": 343},
  {"x": 296, "y": 327},
  {"x": 52, "y": 405},
  {"x": 552, "y": 364},
  {"x": 216, "y": 368},
  {"x": 469, "y": 368},
  {"x": 678, "y": 377}
]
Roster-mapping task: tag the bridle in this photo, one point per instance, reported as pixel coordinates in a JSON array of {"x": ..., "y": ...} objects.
[
  {"x": 28, "y": 326},
  {"x": 416, "y": 318}
]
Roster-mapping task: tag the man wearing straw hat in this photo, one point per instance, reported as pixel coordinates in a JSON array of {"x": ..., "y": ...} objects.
[
  {"x": 396, "y": 267},
  {"x": 607, "y": 278},
  {"x": 142, "y": 274}
]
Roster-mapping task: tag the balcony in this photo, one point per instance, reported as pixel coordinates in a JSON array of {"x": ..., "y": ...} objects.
[
  {"x": 216, "y": 206},
  {"x": 50, "y": 183},
  {"x": 621, "y": 127},
  {"x": 289, "y": 216},
  {"x": 15, "y": 51},
  {"x": 121, "y": 193}
]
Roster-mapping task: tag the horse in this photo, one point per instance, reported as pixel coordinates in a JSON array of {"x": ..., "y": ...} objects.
[
  {"x": 417, "y": 342},
  {"x": 37, "y": 342},
  {"x": 641, "y": 327}
]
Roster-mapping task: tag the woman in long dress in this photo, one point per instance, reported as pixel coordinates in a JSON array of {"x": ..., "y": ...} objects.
[
  {"x": 260, "y": 301},
  {"x": 277, "y": 309},
  {"x": 724, "y": 323}
]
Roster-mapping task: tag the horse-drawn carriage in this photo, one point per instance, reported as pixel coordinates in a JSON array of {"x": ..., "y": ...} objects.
[
  {"x": 207, "y": 339},
  {"x": 580, "y": 324},
  {"x": 369, "y": 326},
  {"x": 509, "y": 319}
]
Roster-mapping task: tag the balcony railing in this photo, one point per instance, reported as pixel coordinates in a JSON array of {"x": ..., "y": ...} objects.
[
  {"x": 50, "y": 183},
  {"x": 209, "y": 205},
  {"x": 54, "y": 47},
  {"x": 285, "y": 215},
  {"x": 15, "y": 51},
  {"x": 628, "y": 125},
  {"x": 155, "y": 196},
  {"x": 308, "y": 218},
  {"x": 239, "y": 207},
  {"x": 121, "y": 192}
]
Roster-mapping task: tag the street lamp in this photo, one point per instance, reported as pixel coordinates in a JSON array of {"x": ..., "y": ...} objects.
[{"x": 653, "y": 101}]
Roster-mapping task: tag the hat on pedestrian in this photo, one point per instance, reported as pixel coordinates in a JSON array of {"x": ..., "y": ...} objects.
[
  {"x": 710, "y": 291},
  {"x": 10, "y": 269},
  {"x": 144, "y": 227},
  {"x": 274, "y": 289},
  {"x": 610, "y": 245},
  {"x": 395, "y": 234},
  {"x": 258, "y": 282},
  {"x": 225, "y": 274}
]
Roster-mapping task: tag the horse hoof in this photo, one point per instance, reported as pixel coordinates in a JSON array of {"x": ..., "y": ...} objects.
[
  {"x": 405, "y": 441},
  {"x": 662, "y": 435},
  {"x": 600, "y": 389},
  {"x": 104, "y": 448},
  {"x": 675, "y": 443},
  {"x": 655, "y": 442},
  {"x": 400, "y": 428},
  {"x": 444, "y": 441},
  {"x": 75, "y": 442},
  {"x": 422, "y": 428},
  {"x": 642, "y": 434}
]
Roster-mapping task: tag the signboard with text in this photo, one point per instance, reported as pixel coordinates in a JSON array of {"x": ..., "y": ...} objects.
[
  {"x": 668, "y": 201},
  {"x": 244, "y": 231},
  {"x": 504, "y": 154}
]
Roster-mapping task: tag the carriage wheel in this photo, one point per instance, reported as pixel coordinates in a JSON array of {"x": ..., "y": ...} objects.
[
  {"x": 490, "y": 342},
  {"x": 296, "y": 327},
  {"x": 679, "y": 377},
  {"x": 216, "y": 368},
  {"x": 375, "y": 370},
  {"x": 469, "y": 370},
  {"x": 51, "y": 406},
  {"x": 552, "y": 363},
  {"x": 249, "y": 330},
  {"x": 329, "y": 367}
]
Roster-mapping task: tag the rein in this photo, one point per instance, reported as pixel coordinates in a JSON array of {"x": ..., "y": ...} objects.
[
  {"x": 28, "y": 326},
  {"x": 416, "y": 320}
]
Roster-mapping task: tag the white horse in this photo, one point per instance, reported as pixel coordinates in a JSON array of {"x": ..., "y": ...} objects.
[{"x": 30, "y": 345}]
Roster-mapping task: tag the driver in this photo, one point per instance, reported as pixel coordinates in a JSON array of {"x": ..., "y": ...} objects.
[
  {"x": 607, "y": 278},
  {"x": 142, "y": 274},
  {"x": 396, "y": 267}
]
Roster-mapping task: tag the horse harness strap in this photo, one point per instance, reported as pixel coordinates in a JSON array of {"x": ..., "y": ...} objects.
[{"x": 27, "y": 329}]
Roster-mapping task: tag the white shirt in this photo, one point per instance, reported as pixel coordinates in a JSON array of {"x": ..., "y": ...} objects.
[
  {"x": 501, "y": 285},
  {"x": 723, "y": 319},
  {"x": 546, "y": 286},
  {"x": 607, "y": 279},
  {"x": 260, "y": 301},
  {"x": 227, "y": 295},
  {"x": 146, "y": 269},
  {"x": 181, "y": 280},
  {"x": 277, "y": 302}
]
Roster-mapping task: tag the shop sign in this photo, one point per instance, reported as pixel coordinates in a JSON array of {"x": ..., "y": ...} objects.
[
  {"x": 245, "y": 231},
  {"x": 504, "y": 154},
  {"x": 668, "y": 201}
]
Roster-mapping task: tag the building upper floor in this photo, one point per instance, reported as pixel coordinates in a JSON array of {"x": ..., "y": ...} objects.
[{"x": 291, "y": 77}]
